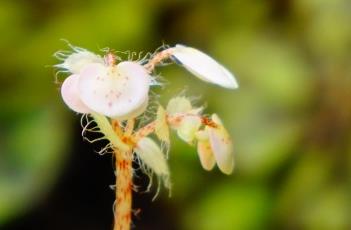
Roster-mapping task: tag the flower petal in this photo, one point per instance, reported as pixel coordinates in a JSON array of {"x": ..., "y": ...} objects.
[
  {"x": 70, "y": 96},
  {"x": 206, "y": 155},
  {"x": 115, "y": 91},
  {"x": 222, "y": 146},
  {"x": 151, "y": 155},
  {"x": 204, "y": 67},
  {"x": 79, "y": 59}
]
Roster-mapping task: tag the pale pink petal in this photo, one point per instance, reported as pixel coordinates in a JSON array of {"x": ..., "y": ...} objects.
[
  {"x": 70, "y": 96},
  {"x": 115, "y": 91},
  {"x": 206, "y": 155}
]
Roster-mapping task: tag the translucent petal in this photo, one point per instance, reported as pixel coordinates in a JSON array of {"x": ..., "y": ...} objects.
[
  {"x": 204, "y": 67},
  {"x": 179, "y": 105},
  {"x": 161, "y": 127},
  {"x": 77, "y": 60},
  {"x": 151, "y": 155},
  {"x": 115, "y": 91},
  {"x": 70, "y": 96},
  {"x": 206, "y": 155},
  {"x": 222, "y": 146},
  {"x": 188, "y": 128}
]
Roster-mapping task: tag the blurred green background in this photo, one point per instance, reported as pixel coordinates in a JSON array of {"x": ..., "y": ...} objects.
[{"x": 290, "y": 119}]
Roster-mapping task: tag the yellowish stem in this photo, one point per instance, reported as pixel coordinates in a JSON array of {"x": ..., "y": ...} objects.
[
  {"x": 117, "y": 128},
  {"x": 129, "y": 127}
]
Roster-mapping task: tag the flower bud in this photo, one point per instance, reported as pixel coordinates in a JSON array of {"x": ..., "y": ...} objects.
[
  {"x": 179, "y": 104},
  {"x": 204, "y": 67},
  {"x": 214, "y": 145}
]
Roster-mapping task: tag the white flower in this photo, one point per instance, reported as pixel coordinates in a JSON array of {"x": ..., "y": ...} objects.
[
  {"x": 117, "y": 91},
  {"x": 188, "y": 122},
  {"x": 215, "y": 145},
  {"x": 114, "y": 91},
  {"x": 204, "y": 67}
]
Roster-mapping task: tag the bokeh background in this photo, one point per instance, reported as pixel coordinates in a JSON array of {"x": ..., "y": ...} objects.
[{"x": 290, "y": 119}]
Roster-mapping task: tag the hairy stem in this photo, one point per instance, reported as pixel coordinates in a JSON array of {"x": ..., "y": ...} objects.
[
  {"x": 158, "y": 58},
  {"x": 124, "y": 184},
  {"x": 124, "y": 179},
  {"x": 172, "y": 120}
]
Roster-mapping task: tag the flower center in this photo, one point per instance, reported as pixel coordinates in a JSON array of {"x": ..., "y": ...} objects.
[{"x": 110, "y": 59}]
